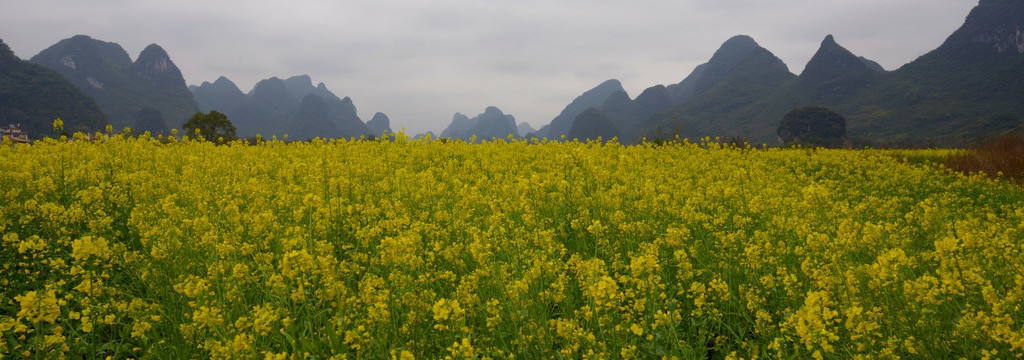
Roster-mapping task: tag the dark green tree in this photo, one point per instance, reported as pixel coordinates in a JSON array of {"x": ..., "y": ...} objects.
[{"x": 213, "y": 126}]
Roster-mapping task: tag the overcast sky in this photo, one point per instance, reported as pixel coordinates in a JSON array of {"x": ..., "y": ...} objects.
[{"x": 422, "y": 61}]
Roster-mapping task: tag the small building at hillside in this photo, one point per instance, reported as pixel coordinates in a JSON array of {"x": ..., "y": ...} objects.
[{"x": 14, "y": 133}]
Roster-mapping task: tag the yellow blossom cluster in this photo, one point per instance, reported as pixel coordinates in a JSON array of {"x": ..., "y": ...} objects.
[{"x": 143, "y": 247}]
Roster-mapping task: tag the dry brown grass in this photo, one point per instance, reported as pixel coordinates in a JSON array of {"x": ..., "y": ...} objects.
[{"x": 1000, "y": 155}]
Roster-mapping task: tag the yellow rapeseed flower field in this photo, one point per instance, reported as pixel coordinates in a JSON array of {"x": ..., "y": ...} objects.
[{"x": 137, "y": 247}]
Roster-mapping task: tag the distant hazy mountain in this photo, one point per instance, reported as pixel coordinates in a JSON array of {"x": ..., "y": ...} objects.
[
  {"x": 834, "y": 73},
  {"x": 424, "y": 135},
  {"x": 122, "y": 88},
  {"x": 150, "y": 119},
  {"x": 459, "y": 125},
  {"x": 342, "y": 110},
  {"x": 250, "y": 116},
  {"x": 618, "y": 106},
  {"x": 276, "y": 107},
  {"x": 630, "y": 116},
  {"x": 740, "y": 74},
  {"x": 273, "y": 92},
  {"x": 992, "y": 29},
  {"x": 749, "y": 100},
  {"x": 302, "y": 85},
  {"x": 627, "y": 115},
  {"x": 592, "y": 124},
  {"x": 379, "y": 124},
  {"x": 730, "y": 55},
  {"x": 561, "y": 124},
  {"x": 969, "y": 88},
  {"x": 221, "y": 95},
  {"x": 33, "y": 95},
  {"x": 654, "y": 99},
  {"x": 491, "y": 124},
  {"x": 343, "y": 114},
  {"x": 313, "y": 119},
  {"x": 871, "y": 64},
  {"x": 524, "y": 128}
]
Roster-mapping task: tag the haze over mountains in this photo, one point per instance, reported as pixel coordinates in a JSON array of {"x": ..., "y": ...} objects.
[
  {"x": 29, "y": 92},
  {"x": 968, "y": 88},
  {"x": 90, "y": 83},
  {"x": 491, "y": 124},
  {"x": 121, "y": 87},
  {"x": 292, "y": 106}
]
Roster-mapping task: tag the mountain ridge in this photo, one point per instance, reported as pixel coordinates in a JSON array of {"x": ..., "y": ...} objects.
[
  {"x": 273, "y": 104},
  {"x": 121, "y": 87},
  {"x": 970, "y": 87},
  {"x": 32, "y": 96},
  {"x": 594, "y": 97},
  {"x": 492, "y": 124}
]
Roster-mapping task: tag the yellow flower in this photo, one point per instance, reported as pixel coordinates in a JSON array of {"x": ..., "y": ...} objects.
[
  {"x": 604, "y": 291},
  {"x": 262, "y": 319},
  {"x": 207, "y": 317},
  {"x": 86, "y": 324},
  {"x": 403, "y": 355},
  {"x": 445, "y": 309},
  {"x": 82, "y": 249},
  {"x": 268, "y": 355},
  {"x": 461, "y": 350},
  {"x": 192, "y": 286},
  {"x": 140, "y": 328},
  {"x": 814, "y": 323},
  {"x": 636, "y": 329},
  {"x": 36, "y": 307}
]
